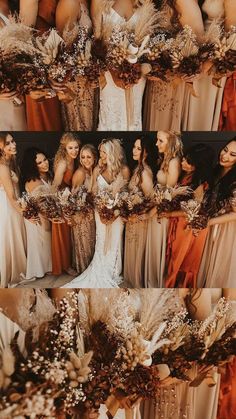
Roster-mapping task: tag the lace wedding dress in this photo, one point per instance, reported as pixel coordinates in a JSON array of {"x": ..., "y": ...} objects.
[
  {"x": 117, "y": 103},
  {"x": 105, "y": 269}
]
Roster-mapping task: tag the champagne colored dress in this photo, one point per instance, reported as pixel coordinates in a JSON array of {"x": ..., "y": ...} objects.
[
  {"x": 135, "y": 244},
  {"x": 81, "y": 113},
  {"x": 45, "y": 114},
  {"x": 61, "y": 239},
  {"x": 12, "y": 239},
  {"x": 84, "y": 236},
  {"x": 202, "y": 113},
  {"x": 12, "y": 115}
]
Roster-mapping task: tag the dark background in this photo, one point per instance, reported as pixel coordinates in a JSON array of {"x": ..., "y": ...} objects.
[{"x": 49, "y": 141}]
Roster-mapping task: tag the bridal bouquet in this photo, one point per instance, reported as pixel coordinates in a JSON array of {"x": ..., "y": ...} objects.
[
  {"x": 133, "y": 203},
  {"x": 196, "y": 215},
  {"x": 48, "y": 379},
  {"x": 28, "y": 204},
  {"x": 50, "y": 207},
  {"x": 224, "y": 54},
  {"x": 106, "y": 204},
  {"x": 168, "y": 199}
]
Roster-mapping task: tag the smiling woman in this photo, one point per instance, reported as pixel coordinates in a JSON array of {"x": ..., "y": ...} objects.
[{"x": 12, "y": 232}]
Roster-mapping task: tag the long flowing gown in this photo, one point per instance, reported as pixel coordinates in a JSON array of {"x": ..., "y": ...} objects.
[
  {"x": 81, "y": 113},
  {"x": 39, "y": 247},
  {"x": 45, "y": 114},
  {"x": 12, "y": 239},
  {"x": 12, "y": 115},
  {"x": 228, "y": 109},
  {"x": 135, "y": 244},
  {"x": 116, "y": 104},
  {"x": 105, "y": 269},
  {"x": 61, "y": 239},
  {"x": 202, "y": 113},
  {"x": 83, "y": 235}
]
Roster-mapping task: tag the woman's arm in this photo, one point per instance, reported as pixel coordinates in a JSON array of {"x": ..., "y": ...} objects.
[
  {"x": 59, "y": 173},
  {"x": 5, "y": 180},
  {"x": 230, "y": 13},
  {"x": 29, "y": 11},
  {"x": 67, "y": 13},
  {"x": 147, "y": 182},
  {"x": 198, "y": 302},
  {"x": 173, "y": 172},
  {"x": 226, "y": 218},
  {"x": 78, "y": 178},
  {"x": 96, "y": 16},
  {"x": 125, "y": 173},
  {"x": 190, "y": 14}
]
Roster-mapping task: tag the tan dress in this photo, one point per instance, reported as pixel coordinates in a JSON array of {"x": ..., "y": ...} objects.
[
  {"x": 202, "y": 113},
  {"x": 155, "y": 254},
  {"x": 81, "y": 114},
  {"x": 83, "y": 236},
  {"x": 135, "y": 244},
  {"x": 12, "y": 239}
]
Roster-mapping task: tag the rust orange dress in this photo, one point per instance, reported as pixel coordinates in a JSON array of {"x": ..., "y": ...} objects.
[
  {"x": 227, "y": 399},
  {"x": 44, "y": 115},
  {"x": 61, "y": 239},
  {"x": 184, "y": 252},
  {"x": 228, "y": 109}
]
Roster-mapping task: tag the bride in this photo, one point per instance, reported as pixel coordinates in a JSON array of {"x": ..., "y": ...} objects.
[{"x": 110, "y": 175}]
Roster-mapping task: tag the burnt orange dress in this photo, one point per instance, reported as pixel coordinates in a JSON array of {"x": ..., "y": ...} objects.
[
  {"x": 184, "y": 252},
  {"x": 227, "y": 399},
  {"x": 44, "y": 115},
  {"x": 61, "y": 239},
  {"x": 228, "y": 109}
]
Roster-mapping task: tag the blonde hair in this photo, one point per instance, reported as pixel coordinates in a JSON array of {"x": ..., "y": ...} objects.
[
  {"x": 92, "y": 150},
  {"x": 61, "y": 152},
  {"x": 174, "y": 149},
  {"x": 115, "y": 156},
  {"x": 3, "y": 139}
]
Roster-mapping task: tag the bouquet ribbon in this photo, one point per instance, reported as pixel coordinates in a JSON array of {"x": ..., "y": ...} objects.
[{"x": 113, "y": 405}]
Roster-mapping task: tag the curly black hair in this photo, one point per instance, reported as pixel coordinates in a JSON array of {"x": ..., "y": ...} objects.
[
  {"x": 201, "y": 156},
  {"x": 227, "y": 183},
  {"x": 29, "y": 168}
]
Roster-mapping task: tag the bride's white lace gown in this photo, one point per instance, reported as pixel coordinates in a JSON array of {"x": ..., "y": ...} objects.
[
  {"x": 117, "y": 103},
  {"x": 105, "y": 269}
]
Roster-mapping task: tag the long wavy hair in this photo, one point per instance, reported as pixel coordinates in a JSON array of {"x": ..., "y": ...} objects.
[
  {"x": 147, "y": 157},
  {"x": 92, "y": 150},
  {"x": 61, "y": 153},
  {"x": 29, "y": 167},
  {"x": 226, "y": 184},
  {"x": 115, "y": 156},
  {"x": 174, "y": 149},
  {"x": 13, "y": 163},
  {"x": 201, "y": 156},
  {"x": 163, "y": 5}
]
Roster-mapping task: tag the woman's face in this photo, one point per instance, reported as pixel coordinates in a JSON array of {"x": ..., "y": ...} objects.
[
  {"x": 137, "y": 150},
  {"x": 162, "y": 141},
  {"x": 103, "y": 154},
  {"x": 72, "y": 149},
  {"x": 42, "y": 163},
  {"x": 187, "y": 167},
  {"x": 228, "y": 156},
  {"x": 87, "y": 159},
  {"x": 9, "y": 148}
]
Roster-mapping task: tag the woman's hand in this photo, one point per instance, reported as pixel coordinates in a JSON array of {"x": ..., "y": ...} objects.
[
  {"x": 42, "y": 94},
  {"x": 8, "y": 95},
  {"x": 91, "y": 414}
]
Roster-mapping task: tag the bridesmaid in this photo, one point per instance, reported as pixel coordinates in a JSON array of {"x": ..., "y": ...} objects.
[
  {"x": 12, "y": 229},
  {"x": 83, "y": 225},
  {"x": 36, "y": 179},
  {"x": 42, "y": 107},
  {"x": 81, "y": 113},
  {"x": 169, "y": 167},
  {"x": 136, "y": 228},
  {"x": 184, "y": 249},
  {"x": 164, "y": 101},
  {"x": 12, "y": 108},
  {"x": 64, "y": 167},
  {"x": 209, "y": 96},
  {"x": 218, "y": 264}
]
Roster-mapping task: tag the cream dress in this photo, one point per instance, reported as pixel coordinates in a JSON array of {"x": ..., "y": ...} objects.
[
  {"x": 12, "y": 115},
  {"x": 116, "y": 104},
  {"x": 202, "y": 113},
  {"x": 12, "y": 239}
]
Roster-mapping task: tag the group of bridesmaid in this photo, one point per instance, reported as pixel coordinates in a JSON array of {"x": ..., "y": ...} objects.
[
  {"x": 159, "y": 250},
  {"x": 155, "y": 104}
]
